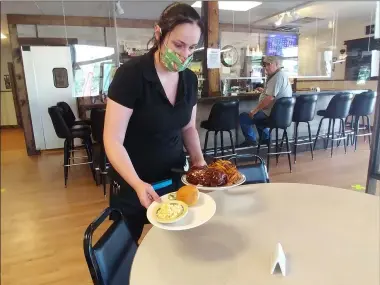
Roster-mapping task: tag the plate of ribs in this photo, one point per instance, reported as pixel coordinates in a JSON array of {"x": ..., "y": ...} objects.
[{"x": 219, "y": 175}]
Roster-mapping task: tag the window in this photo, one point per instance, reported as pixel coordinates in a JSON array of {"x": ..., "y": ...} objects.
[{"x": 60, "y": 77}]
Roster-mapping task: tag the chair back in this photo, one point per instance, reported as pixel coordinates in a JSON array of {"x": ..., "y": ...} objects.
[
  {"x": 60, "y": 126},
  {"x": 363, "y": 104},
  {"x": 224, "y": 115},
  {"x": 68, "y": 114},
  {"x": 305, "y": 108},
  {"x": 254, "y": 172},
  {"x": 282, "y": 113},
  {"x": 110, "y": 259},
  {"x": 339, "y": 106},
  {"x": 97, "y": 124}
]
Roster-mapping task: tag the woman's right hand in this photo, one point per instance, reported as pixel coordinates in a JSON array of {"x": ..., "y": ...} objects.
[{"x": 146, "y": 194}]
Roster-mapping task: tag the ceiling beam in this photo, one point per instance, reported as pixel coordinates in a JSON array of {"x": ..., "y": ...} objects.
[{"x": 58, "y": 20}]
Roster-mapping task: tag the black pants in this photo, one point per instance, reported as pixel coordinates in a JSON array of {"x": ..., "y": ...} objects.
[{"x": 123, "y": 197}]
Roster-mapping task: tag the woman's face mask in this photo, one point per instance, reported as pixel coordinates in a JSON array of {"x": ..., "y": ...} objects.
[{"x": 172, "y": 60}]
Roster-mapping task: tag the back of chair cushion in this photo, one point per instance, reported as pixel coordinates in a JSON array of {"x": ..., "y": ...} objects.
[{"x": 114, "y": 253}]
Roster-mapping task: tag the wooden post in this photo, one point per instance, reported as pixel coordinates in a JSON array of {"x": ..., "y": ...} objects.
[
  {"x": 14, "y": 93},
  {"x": 374, "y": 156},
  {"x": 22, "y": 94},
  {"x": 210, "y": 14}
]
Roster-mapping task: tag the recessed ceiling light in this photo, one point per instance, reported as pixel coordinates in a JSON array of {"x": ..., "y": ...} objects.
[
  {"x": 3, "y": 36},
  {"x": 232, "y": 5}
]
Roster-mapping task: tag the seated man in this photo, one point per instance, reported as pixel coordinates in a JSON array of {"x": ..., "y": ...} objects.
[{"x": 277, "y": 86}]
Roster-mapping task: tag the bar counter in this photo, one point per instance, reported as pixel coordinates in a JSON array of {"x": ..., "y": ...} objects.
[{"x": 247, "y": 102}]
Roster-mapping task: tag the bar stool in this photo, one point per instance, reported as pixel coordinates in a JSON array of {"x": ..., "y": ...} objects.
[
  {"x": 362, "y": 106},
  {"x": 280, "y": 118},
  {"x": 304, "y": 112},
  {"x": 338, "y": 108},
  {"x": 69, "y": 116},
  {"x": 224, "y": 117},
  {"x": 69, "y": 134},
  {"x": 97, "y": 125}
]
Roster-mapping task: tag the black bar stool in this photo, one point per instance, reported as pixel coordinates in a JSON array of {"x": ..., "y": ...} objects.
[
  {"x": 362, "y": 106},
  {"x": 304, "y": 112},
  {"x": 280, "y": 118},
  {"x": 97, "y": 125},
  {"x": 338, "y": 108},
  {"x": 69, "y": 116},
  {"x": 69, "y": 134},
  {"x": 224, "y": 117}
]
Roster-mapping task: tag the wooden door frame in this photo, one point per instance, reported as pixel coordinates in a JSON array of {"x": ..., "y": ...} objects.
[{"x": 14, "y": 93}]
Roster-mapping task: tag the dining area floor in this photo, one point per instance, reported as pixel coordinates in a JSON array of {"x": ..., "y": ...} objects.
[{"x": 42, "y": 222}]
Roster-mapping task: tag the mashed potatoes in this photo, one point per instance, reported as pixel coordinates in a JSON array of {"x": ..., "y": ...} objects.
[{"x": 170, "y": 211}]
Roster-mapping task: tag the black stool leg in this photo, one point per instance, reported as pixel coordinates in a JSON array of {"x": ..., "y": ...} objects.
[
  {"x": 88, "y": 146},
  {"x": 332, "y": 139},
  {"x": 258, "y": 149},
  {"x": 328, "y": 135},
  {"x": 268, "y": 144},
  {"x": 344, "y": 135},
  {"x": 206, "y": 141},
  {"x": 310, "y": 141},
  {"x": 215, "y": 142},
  {"x": 66, "y": 160},
  {"x": 363, "y": 122},
  {"x": 369, "y": 131},
  {"x": 72, "y": 152},
  {"x": 356, "y": 131},
  {"x": 232, "y": 142},
  {"x": 352, "y": 128},
  {"x": 339, "y": 134},
  {"x": 277, "y": 146},
  {"x": 221, "y": 142},
  {"x": 103, "y": 161},
  {"x": 319, "y": 129},
  {"x": 288, "y": 149},
  {"x": 295, "y": 143}
]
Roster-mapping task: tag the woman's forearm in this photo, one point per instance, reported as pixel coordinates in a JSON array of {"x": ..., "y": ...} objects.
[
  {"x": 264, "y": 103},
  {"x": 119, "y": 159},
  {"x": 193, "y": 145}
]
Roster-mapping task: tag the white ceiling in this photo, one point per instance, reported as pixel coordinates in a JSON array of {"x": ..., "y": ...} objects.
[
  {"x": 263, "y": 15},
  {"x": 338, "y": 11},
  {"x": 136, "y": 9}
]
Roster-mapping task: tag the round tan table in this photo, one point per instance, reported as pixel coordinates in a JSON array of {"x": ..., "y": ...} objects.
[{"x": 330, "y": 237}]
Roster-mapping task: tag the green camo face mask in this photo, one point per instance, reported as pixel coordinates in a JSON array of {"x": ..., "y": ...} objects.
[{"x": 172, "y": 61}]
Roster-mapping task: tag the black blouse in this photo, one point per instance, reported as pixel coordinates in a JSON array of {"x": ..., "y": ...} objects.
[{"x": 153, "y": 138}]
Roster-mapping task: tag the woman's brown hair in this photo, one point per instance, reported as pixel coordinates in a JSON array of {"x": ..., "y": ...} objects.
[{"x": 173, "y": 15}]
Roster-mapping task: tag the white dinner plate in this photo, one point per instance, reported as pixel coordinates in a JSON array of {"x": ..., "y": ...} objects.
[
  {"x": 220, "y": 188},
  {"x": 197, "y": 215}
]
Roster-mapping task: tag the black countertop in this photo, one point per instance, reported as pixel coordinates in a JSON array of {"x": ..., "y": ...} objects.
[{"x": 242, "y": 97}]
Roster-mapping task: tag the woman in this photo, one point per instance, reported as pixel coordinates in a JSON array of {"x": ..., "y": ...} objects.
[{"x": 151, "y": 110}]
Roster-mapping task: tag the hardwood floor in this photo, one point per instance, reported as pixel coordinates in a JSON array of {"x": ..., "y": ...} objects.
[{"x": 43, "y": 222}]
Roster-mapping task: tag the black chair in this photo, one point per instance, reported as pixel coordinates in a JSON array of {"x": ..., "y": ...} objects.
[
  {"x": 280, "y": 118},
  {"x": 69, "y": 116},
  {"x": 338, "y": 108},
  {"x": 362, "y": 106},
  {"x": 69, "y": 134},
  {"x": 224, "y": 117},
  {"x": 97, "y": 125},
  {"x": 110, "y": 259},
  {"x": 304, "y": 112},
  {"x": 254, "y": 173}
]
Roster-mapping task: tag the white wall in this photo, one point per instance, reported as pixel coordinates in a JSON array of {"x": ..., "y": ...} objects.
[{"x": 8, "y": 113}]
